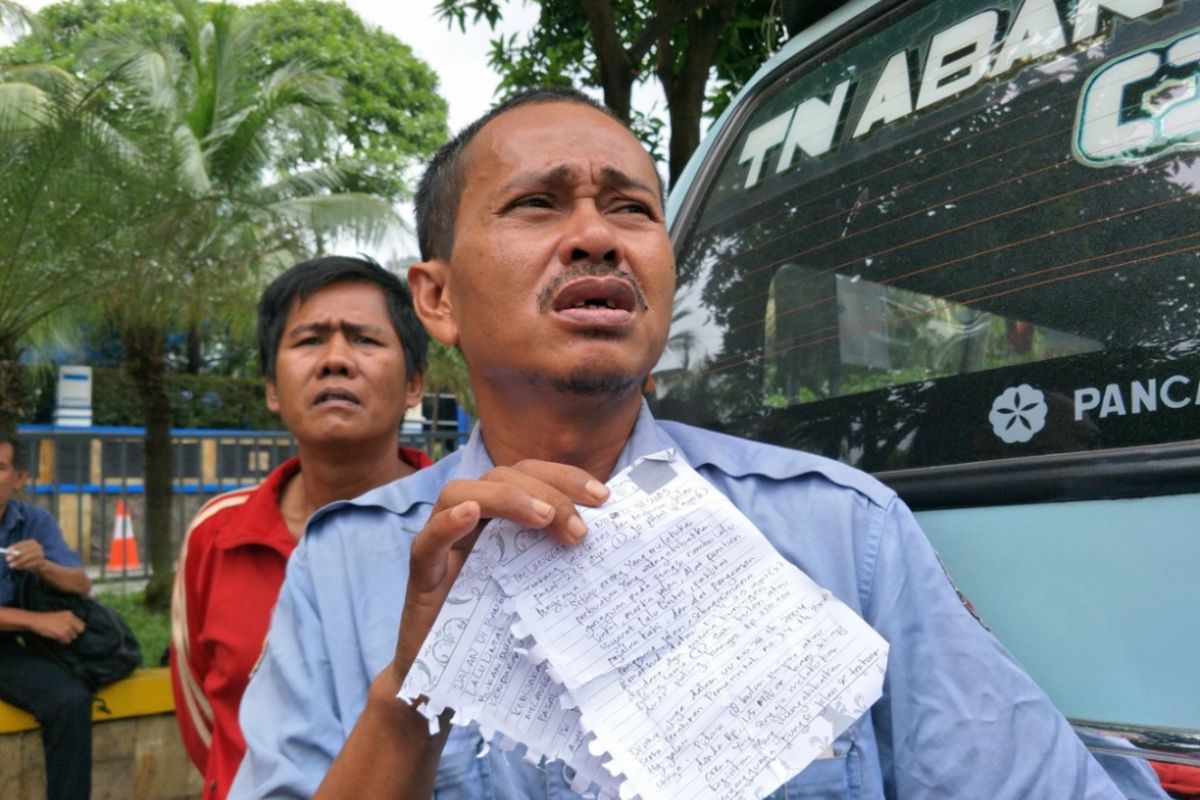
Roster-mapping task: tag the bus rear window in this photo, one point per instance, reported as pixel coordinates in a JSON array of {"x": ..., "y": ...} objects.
[{"x": 963, "y": 233}]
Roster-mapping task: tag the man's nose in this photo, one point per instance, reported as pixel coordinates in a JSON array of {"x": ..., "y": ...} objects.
[
  {"x": 338, "y": 358},
  {"x": 590, "y": 237}
]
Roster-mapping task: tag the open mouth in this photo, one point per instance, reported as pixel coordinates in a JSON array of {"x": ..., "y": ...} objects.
[
  {"x": 336, "y": 396},
  {"x": 604, "y": 301}
]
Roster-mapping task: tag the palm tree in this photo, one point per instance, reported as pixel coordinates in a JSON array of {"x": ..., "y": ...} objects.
[
  {"x": 230, "y": 220},
  {"x": 15, "y": 17},
  {"x": 58, "y": 158}
]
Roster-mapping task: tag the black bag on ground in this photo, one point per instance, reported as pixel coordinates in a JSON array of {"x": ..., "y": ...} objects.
[{"x": 105, "y": 652}]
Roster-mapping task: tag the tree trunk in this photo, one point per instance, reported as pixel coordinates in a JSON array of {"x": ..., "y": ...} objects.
[
  {"x": 147, "y": 365},
  {"x": 194, "y": 349},
  {"x": 617, "y": 71},
  {"x": 12, "y": 387},
  {"x": 685, "y": 88},
  {"x": 685, "y": 105}
]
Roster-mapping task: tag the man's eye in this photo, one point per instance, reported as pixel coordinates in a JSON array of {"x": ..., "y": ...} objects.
[
  {"x": 638, "y": 208},
  {"x": 365, "y": 340},
  {"x": 535, "y": 201}
]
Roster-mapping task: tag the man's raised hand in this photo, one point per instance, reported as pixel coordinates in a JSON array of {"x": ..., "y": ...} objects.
[
  {"x": 390, "y": 752},
  {"x": 534, "y": 494}
]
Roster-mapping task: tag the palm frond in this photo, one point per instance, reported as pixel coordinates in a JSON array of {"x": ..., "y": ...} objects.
[
  {"x": 59, "y": 159},
  {"x": 365, "y": 217},
  {"x": 332, "y": 178},
  {"x": 240, "y": 144},
  {"x": 193, "y": 167},
  {"x": 24, "y": 108},
  {"x": 17, "y": 20}
]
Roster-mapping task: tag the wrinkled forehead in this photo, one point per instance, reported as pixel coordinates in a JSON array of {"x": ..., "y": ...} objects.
[
  {"x": 558, "y": 138},
  {"x": 348, "y": 293}
]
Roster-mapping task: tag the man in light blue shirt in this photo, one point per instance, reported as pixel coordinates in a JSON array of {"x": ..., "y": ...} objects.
[{"x": 546, "y": 261}]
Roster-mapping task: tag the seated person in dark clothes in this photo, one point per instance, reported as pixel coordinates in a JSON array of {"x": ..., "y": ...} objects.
[{"x": 60, "y": 701}]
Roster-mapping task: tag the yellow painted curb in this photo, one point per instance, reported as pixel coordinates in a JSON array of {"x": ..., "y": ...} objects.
[{"x": 145, "y": 692}]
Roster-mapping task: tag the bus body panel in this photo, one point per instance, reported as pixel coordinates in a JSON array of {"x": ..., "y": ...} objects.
[
  {"x": 1097, "y": 599},
  {"x": 1047, "y": 429}
]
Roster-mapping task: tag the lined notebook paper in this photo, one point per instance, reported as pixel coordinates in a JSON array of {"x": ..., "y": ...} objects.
[{"x": 673, "y": 653}]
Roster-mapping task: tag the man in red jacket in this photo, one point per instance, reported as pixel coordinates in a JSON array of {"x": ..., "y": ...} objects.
[{"x": 343, "y": 356}]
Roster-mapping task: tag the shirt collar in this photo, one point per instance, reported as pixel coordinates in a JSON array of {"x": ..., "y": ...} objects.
[
  {"x": 647, "y": 437},
  {"x": 472, "y": 461},
  {"x": 702, "y": 449},
  {"x": 259, "y": 522}
]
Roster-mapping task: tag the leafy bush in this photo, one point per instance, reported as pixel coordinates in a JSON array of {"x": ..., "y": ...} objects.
[{"x": 152, "y": 628}]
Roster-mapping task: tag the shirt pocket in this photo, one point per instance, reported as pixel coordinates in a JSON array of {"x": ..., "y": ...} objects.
[{"x": 824, "y": 779}]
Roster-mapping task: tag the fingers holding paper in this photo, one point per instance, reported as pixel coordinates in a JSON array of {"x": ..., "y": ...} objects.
[
  {"x": 535, "y": 494},
  {"x": 392, "y": 742}
]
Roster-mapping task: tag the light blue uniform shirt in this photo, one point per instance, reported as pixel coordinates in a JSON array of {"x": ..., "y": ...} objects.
[{"x": 958, "y": 717}]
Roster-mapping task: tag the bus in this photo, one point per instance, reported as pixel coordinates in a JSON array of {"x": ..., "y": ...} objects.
[{"x": 957, "y": 244}]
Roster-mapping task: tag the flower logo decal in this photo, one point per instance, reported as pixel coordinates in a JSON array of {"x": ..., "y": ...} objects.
[{"x": 1018, "y": 413}]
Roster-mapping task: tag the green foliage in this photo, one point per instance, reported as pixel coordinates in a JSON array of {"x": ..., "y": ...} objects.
[
  {"x": 152, "y": 628},
  {"x": 555, "y": 53},
  {"x": 391, "y": 115},
  {"x": 197, "y": 401},
  {"x": 60, "y": 160},
  {"x": 67, "y": 29},
  {"x": 754, "y": 35},
  {"x": 612, "y": 44},
  {"x": 649, "y": 128},
  {"x": 157, "y": 173},
  {"x": 211, "y": 124},
  {"x": 218, "y": 401},
  {"x": 446, "y": 373}
]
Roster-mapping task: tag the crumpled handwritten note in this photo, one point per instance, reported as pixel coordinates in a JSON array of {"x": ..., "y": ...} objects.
[
  {"x": 470, "y": 662},
  {"x": 673, "y": 653}
]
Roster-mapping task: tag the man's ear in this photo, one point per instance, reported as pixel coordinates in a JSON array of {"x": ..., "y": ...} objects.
[
  {"x": 432, "y": 300},
  {"x": 414, "y": 390},
  {"x": 21, "y": 479},
  {"x": 272, "y": 397}
]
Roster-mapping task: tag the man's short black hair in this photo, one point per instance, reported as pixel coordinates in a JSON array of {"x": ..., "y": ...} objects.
[
  {"x": 309, "y": 277},
  {"x": 442, "y": 184},
  {"x": 18, "y": 452}
]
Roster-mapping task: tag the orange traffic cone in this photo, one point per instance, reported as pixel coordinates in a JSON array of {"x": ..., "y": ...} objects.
[{"x": 122, "y": 550}]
